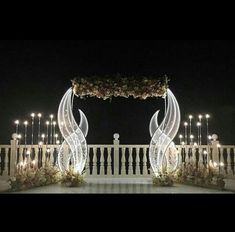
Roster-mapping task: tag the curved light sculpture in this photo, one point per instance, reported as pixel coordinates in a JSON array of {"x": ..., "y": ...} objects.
[
  {"x": 74, "y": 136},
  {"x": 163, "y": 155}
]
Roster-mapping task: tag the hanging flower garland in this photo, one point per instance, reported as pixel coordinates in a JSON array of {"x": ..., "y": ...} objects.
[{"x": 119, "y": 86}]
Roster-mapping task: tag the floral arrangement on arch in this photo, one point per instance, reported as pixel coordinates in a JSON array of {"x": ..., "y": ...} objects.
[{"x": 120, "y": 86}]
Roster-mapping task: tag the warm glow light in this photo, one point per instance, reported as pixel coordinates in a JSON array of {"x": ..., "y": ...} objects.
[
  {"x": 51, "y": 116},
  {"x": 39, "y": 115},
  {"x": 40, "y": 143},
  {"x": 19, "y": 136},
  {"x": 43, "y": 136},
  {"x": 57, "y": 141},
  {"x": 210, "y": 137},
  {"x": 56, "y": 135},
  {"x": 47, "y": 122},
  {"x": 191, "y": 136},
  {"x": 54, "y": 123},
  {"x": 33, "y": 162},
  {"x": 207, "y": 115},
  {"x": 183, "y": 143},
  {"x": 204, "y": 152},
  {"x": 200, "y": 116},
  {"x": 180, "y": 136},
  {"x": 199, "y": 124},
  {"x": 17, "y": 122},
  {"x": 25, "y": 123},
  {"x": 215, "y": 164},
  {"x": 185, "y": 124},
  {"x": 221, "y": 164},
  {"x": 28, "y": 152},
  {"x": 190, "y": 116},
  {"x": 218, "y": 145},
  {"x": 33, "y": 115},
  {"x": 48, "y": 150},
  {"x": 195, "y": 144}
]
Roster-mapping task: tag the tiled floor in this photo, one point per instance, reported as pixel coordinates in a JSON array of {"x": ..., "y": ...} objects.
[{"x": 122, "y": 186}]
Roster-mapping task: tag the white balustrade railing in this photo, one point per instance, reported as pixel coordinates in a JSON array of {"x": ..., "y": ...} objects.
[{"x": 115, "y": 160}]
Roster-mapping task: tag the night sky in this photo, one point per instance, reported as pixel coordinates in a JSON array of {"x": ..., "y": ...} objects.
[{"x": 34, "y": 75}]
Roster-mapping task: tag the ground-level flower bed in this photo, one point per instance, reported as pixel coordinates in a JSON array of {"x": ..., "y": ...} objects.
[
  {"x": 73, "y": 179},
  {"x": 163, "y": 180},
  {"x": 27, "y": 178},
  {"x": 200, "y": 176}
]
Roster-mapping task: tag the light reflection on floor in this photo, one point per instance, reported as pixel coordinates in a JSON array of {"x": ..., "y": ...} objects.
[{"x": 121, "y": 186}]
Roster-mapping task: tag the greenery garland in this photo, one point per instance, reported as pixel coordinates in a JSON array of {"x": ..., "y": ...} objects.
[{"x": 120, "y": 86}]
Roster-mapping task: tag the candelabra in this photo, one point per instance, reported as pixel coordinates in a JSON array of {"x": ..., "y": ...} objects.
[
  {"x": 207, "y": 127},
  {"x": 180, "y": 137},
  {"x": 17, "y": 126},
  {"x": 54, "y": 124},
  {"x": 32, "y": 115},
  {"x": 190, "y": 124},
  {"x": 191, "y": 139},
  {"x": 185, "y": 133},
  {"x": 25, "y": 132},
  {"x": 51, "y": 117},
  {"x": 47, "y": 137},
  {"x": 200, "y": 120},
  {"x": 39, "y": 125},
  {"x": 198, "y": 133}
]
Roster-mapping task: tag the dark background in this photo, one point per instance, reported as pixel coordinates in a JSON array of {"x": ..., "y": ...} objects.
[{"x": 35, "y": 74}]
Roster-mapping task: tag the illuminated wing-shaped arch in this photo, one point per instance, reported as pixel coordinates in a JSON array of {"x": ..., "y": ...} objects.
[
  {"x": 74, "y": 136},
  {"x": 163, "y": 154}
]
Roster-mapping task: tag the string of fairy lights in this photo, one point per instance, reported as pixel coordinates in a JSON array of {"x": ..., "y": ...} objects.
[
  {"x": 36, "y": 131},
  {"x": 189, "y": 137}
]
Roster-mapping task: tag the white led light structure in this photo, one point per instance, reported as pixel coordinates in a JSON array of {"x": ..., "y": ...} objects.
[
  {"x": 74, "y": 136},
  {"x": 163, "y": 155}
]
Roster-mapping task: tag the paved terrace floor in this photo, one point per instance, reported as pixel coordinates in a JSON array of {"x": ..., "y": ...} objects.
[{"x": 122, "y": 186}]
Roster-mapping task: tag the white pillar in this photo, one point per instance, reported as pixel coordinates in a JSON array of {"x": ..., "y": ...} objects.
[{"x": 116, "y": 143}]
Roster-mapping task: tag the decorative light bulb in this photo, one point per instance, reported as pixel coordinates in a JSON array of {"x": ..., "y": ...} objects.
[
  {"x": 33, "y": 115},
  {"x": 185, "y": 124},
  {"x": 17, "y": 122},
  {"x": 56, "y": 135},
  {"x": 221, "y": 164},
  {"x": 40, "y": 143},
  {"x": 180, "y": 136},
  {"x": 190, "y": 116},
  {"x": 39, "y": 115},
  {"x": 199, "y": 124},
  {"x": 25, "y": 123},
  {"x": 191, "y": 136},
  {"x": 43, "y": 136},
  {"x": 207, "y": 115},
  {"x": 218, "y": 145},
  {"x": 57, "y": 141},
  {"x": 209, "y": 137},
  {"x": 54, "y": 123},
  {"x": 200, "y": 116},
  {"x": 195, "y": 144},
  {"x": 28, "y": 152},
  {"x": 47, "y": 122},
  {"x": 19, "y": 136},
  {"x": 204, "y": 152},
  {"x": 51, "y": 116},
  {"x": 215, "y": 164}
]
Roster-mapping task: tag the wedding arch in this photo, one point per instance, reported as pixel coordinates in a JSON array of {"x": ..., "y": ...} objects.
[{"x": 163, "y": 154}]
